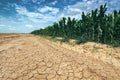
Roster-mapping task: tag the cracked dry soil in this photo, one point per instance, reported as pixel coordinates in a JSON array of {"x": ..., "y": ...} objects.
[{"x": 28, "y": 57}]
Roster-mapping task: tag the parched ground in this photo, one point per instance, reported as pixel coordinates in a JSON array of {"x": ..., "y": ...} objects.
[{"x": 29, "y": 57}]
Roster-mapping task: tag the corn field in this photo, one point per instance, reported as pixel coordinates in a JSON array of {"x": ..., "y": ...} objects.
[{"x": 97, "y": 26}]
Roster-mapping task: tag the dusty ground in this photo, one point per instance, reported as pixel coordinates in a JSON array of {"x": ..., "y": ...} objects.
[{"x": 28, "y": 57}]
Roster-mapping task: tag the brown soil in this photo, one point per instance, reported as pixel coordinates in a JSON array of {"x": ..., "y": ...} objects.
[{"x": 29, "y": 57}]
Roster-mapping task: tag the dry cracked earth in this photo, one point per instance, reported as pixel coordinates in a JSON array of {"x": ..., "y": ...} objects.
[{"x": 29, "y": 57}]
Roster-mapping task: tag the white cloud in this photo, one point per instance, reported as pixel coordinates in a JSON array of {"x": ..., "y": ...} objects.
[
  {"x": 34, "y": 1},
  {"x": 33, "y": 16},
  {"x": 115, "y": 5},
  {"x": 38, "y": 1},
  {"x": 38, "y": 17},
  {"x": 54, "y": 2},
  {"x": 87, "y": 5},
  {"x": 1, "y": 25},
  {"x": 47, "y": 8},
  {"x": 29, "y": 26},
  {"x": 76, "y": 10},
  {"x": 23, "y": 11}
]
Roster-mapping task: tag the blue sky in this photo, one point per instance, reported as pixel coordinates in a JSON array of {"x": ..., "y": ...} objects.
[{"x": 24, "y": 16}]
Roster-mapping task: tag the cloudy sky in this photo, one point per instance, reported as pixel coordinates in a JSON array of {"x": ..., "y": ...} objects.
[{"x": 24, "y": 16}]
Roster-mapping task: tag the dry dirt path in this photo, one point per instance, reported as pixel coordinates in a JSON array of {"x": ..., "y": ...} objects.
[{"x": 28, "y": 57}]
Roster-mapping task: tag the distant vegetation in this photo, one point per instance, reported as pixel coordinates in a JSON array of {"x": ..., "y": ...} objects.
[{"x": 96, "y": 26}]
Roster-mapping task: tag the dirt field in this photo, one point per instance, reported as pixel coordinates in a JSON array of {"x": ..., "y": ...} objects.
[{"x": 28, "y": 57}]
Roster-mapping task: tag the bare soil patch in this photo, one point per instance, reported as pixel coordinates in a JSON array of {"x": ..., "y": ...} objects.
[{"x": 29, "y": 57}]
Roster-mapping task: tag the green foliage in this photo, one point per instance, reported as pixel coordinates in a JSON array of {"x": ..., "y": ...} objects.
[{"x": 93, "y": 26}]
